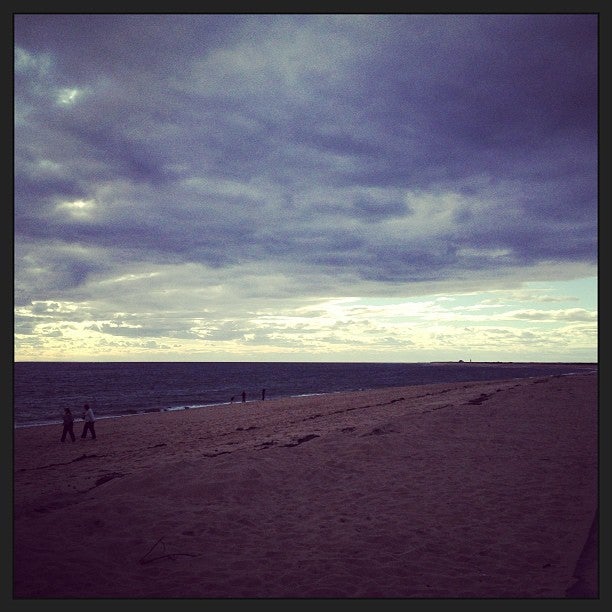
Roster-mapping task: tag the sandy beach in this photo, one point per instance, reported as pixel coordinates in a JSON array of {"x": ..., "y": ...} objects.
[{"x": 461, "y": 490}]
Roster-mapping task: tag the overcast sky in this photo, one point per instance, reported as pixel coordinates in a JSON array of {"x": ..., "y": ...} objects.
[{"x": 305, "y": 187}]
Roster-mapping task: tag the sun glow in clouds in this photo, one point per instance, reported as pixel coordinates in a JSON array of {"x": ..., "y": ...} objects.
[
  {"x": 68, "y": 96},
  {"x": 78, "y": 208}
]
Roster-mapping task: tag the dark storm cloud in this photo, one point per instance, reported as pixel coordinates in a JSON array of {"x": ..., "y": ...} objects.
[
  {"x": 371, "y": 210},
  {"x": 324, "y": 141}
]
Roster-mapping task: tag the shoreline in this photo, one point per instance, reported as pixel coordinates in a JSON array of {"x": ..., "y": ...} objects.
[
  {"x": 586, "y": 368},
  {"x": 470, "y": 489}
]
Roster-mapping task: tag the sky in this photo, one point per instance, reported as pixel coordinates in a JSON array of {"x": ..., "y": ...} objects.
[{"x": 303, "y": 187}]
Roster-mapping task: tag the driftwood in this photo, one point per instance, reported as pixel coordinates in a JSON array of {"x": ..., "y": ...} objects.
[{"x": 172, "y": 556}]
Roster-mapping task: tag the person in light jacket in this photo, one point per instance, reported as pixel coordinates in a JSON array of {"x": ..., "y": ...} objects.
[{"x": 88, "y": 417}]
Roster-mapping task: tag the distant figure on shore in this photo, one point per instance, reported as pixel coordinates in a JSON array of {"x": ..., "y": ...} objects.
[
  {"x": 243, "y": 396},
  {"x": 263, "y": 394},
  {"x": 68, "y": 425},
  {"x": 88, "y": 417},
  {"x": 232, "y": 400}
]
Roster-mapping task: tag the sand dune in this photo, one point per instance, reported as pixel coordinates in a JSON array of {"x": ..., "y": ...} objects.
[{"x": 462, "y": 490}]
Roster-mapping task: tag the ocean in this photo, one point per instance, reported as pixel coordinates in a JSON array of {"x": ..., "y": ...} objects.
[{"x": 41, "y": 390}]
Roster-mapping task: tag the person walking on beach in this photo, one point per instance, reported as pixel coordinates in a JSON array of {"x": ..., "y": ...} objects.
[
  {"x": 263, "y": 394},
  {"x": 68, "y": 425},
  {"x": 88, "y": 417},
  {"x": 243, "y": 396}
]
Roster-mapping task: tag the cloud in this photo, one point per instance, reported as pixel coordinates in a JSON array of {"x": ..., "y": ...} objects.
[
  {"x": 228, "y": 161},
  {"x": 573, "y": 314}
]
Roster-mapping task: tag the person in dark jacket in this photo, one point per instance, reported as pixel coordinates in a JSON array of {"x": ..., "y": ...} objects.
[{"x": 68, "y": 425}]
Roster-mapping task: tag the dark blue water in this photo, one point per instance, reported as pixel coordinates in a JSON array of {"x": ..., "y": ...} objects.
[{"x": 41, "y": 390}]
